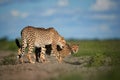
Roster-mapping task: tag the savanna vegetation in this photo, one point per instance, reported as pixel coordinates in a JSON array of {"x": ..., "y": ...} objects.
[{"x": 101, "y": 52}]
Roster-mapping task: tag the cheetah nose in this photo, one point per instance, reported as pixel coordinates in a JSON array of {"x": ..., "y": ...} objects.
[{"x": 75, "y": 51}]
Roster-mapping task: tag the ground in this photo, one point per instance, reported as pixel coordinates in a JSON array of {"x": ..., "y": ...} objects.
[{"x": 52, "y": 70}]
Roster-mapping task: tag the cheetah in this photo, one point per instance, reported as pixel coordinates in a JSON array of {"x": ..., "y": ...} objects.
[
  {"x": 40, "y": 56},
  {"x": 39, "y": 37},
  {"x": 67, "y": 50}
]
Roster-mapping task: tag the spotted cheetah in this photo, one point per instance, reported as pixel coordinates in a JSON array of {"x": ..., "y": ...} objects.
[
  {"x": 67, "y": 50},
  {"x": 39, "y": 37}
]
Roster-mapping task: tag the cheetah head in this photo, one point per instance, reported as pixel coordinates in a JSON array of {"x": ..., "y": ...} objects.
[{"x": 75, "y": 48}]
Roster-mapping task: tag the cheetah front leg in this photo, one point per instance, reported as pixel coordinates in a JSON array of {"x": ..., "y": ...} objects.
[{"x": 58, "y": 57}]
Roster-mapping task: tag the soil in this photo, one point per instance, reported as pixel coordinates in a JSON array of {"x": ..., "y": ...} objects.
[{"x": 49, "y": 70}]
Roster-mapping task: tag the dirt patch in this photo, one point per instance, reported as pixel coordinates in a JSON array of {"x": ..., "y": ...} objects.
[
  {"x": 49, "y": 70},
  {"x": 4, "y": 53}
]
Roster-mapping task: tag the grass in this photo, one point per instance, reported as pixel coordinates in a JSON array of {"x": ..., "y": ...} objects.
[
  {"x": 7, "y": 45},
  {"x": 95, "y": 48},
  {"x": 98, "y": 50},
  {"x": 105, "y": 48}
]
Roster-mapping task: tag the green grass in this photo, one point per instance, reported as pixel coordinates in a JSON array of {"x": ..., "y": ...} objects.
[
  {"x": 8, "y": 45},
  {"x": 105, "y": 48},
  {"x": 98, "y": 50},
  {"x": 109, "y": 48},
  {"x": 93, "y": 47}
]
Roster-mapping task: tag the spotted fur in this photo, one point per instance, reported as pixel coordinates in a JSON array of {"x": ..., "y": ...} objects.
[
  {"x": 67, "y": 50},
  {"x": 39, "y": 37}
]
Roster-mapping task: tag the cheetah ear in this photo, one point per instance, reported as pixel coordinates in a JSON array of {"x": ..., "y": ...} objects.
[
  {"x": 77, "y": 44},
  {"x": 74, "y": 44}
]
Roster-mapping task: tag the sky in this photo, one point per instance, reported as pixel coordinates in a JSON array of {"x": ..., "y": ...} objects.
[{"x": 79, "y": 19}]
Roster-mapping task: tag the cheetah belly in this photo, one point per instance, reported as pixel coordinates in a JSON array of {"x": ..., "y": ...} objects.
[{"x": 42, "y": 43}]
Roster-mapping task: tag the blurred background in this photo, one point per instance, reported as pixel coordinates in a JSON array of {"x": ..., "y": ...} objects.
[
  {"x": 93, "y": 24},
  {"x": 79, "y": 19}
]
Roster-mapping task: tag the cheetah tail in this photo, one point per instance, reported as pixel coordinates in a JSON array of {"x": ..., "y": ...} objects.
[{"x": 17, "y": 43}]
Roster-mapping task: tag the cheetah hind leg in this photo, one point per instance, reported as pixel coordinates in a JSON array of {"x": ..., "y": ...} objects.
[
  {"x": 57, "y": 54},
  {"x": 19, "y": 53},
  {"x": 59, "y": 58},
  {"x": 20, "y": 56},
  {"x": 42, "y": 57},
  {"x": 30, "y": 50}
]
